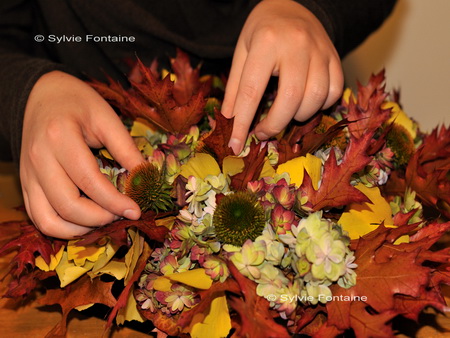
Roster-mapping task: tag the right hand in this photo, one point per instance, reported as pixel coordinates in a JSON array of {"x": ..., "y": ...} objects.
[{"x": 64, "y": 117}]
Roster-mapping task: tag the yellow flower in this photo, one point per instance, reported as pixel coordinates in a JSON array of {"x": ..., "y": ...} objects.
[
  {"x": 296, "y": 168},
  {"x": 360, "y": 219},
  {"x": 398, "y": 116}
]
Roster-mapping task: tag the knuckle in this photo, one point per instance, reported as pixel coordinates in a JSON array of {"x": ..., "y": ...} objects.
[
  {"x": 249, "y": 92},
  {"x": 55, "y": 131}
]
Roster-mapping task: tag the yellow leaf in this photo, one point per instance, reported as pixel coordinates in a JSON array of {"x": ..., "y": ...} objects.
[
  {"x": 114, "y": 268},
  {"x": 83, "y": 307},
  {"x": 140, "y": 128},
  {"x": 105, "y": 257},
  {"x": 54, "y": 261},
  {"x": 133, "y": 253},
  {"x": 200, "y": 166},
  {"x": 216, "y": 323},
  {"x": 105, "y": 153},
  {"x": 360, "y": 219},
  {"x": 398, "y": 116},
  {"x": 232, "y": 165},
  {"x": 347, "y": 95},
  {"x": 295, "y": 168},
  {"x": 79, "y": 254},
  {"x": 267, "y": 170},
  {"x": 196, "y": 278},
  {"x": 67, "y": 271},
  {"x": 130, "y": 311}
]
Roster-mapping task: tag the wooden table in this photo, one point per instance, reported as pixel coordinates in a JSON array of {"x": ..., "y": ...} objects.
[{"x": 18, "y": 319}]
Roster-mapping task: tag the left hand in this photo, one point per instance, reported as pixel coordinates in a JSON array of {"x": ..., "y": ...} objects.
[{"x": 280, "y": 38}]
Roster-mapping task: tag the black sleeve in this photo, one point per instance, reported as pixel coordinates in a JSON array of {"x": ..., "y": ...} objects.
[
  {"x": 18, "y": 72},
  {"x": 349, "y": 22}
]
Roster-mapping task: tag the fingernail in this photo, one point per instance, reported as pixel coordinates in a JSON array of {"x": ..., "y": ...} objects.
[
  {"x": 131, "y": 214},
  {"x": 236, "y": 145}
]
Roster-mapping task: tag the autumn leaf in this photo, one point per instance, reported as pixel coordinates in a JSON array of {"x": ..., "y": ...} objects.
[
  {"x": 253, "y": 165},
  {"x": 335, "y": 189},
  {"x": 29, "y": 244},
  {"x": 124, "y": 295},
  {"x": 217, "y": 141},
  {"x": 394, "y": 280},
  {"x": 25, "y": 284},
  {"x": 255, "y": 316},
  {"x": 117, "y": 230},
  {"x": 170, "y": 107},
  {"x": 83, "y": 292},
  {"x": 366, "y": 113},
  {"x": 427, "y": 173}
]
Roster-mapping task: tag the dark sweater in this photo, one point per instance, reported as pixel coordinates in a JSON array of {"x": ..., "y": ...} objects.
[{"x": 206, "y": 29}]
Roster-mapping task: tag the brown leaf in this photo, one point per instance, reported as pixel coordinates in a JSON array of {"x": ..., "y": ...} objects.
[
  {"x": 256, "y": 318},
  {"x": 217, "y": 140},
  {"x": 84, "y": 291}
]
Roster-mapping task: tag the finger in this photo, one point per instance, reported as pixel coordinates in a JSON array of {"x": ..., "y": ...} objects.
[
  {"x": 316, "y": 90},
  {"x": 231, "y": 90},
  {"x": 289, "y": 97},
  {"x": 336, "y": 83},
  {"x": 91, "y": 181},
  {"x": 119, "y": 143},
  {"x": 255, "y": 77},
  {"x": 67, "y": 200},
  {"x": 46, "y": 219}
]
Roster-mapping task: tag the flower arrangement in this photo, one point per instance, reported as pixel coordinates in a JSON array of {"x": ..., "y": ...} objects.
[{"x": 318, "y": 231}]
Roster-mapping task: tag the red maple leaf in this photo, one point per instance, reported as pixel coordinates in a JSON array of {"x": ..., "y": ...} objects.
[
  {"x": 29, "y": 244},
  {"x": 394, "y": 280},
  {"x": 335, "y": 189},
  {"x": 83, "y": 291}
]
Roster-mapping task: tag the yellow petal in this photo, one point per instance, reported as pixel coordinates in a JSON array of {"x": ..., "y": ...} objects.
[
  {"x": 295, "y": 168},
  {"x": 398, "y": 116},
  {"x": 196, "y": 278},
  {"x": 200, "y": 165},
  {"x": 54, "y": 261},
  {"x": 216, "y": 323},
  {"x": 130, "y": 311},
  {"x": 232, "y": 165},
  {"x": 67, "y": 271},
  {"x": 366, "y": 217}
]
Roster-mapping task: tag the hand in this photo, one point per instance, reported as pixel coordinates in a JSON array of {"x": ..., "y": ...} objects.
[
  {"x": 280, "y": 38},
  {"x": 63, "y": 118}
]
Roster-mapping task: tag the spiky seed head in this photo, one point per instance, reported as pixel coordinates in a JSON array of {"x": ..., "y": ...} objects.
[
  {"x": 238, "y": 217},
  {"x": 146, "y": 186},
  {"x": 401, "y": 143}
]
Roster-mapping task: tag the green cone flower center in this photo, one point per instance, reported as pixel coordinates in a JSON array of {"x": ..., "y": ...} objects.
[
  {"x": 146, "y": 186},
  {"x": 238, "y": 217}
]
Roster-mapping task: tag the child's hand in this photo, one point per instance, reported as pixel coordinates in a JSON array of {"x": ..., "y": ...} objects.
[
  {"x": 63, "y": 118},
  {"x": 284, "y": 39}
]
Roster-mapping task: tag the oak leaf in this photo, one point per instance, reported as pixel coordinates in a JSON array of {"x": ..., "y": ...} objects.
[{"x": 335, "y": 189}]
